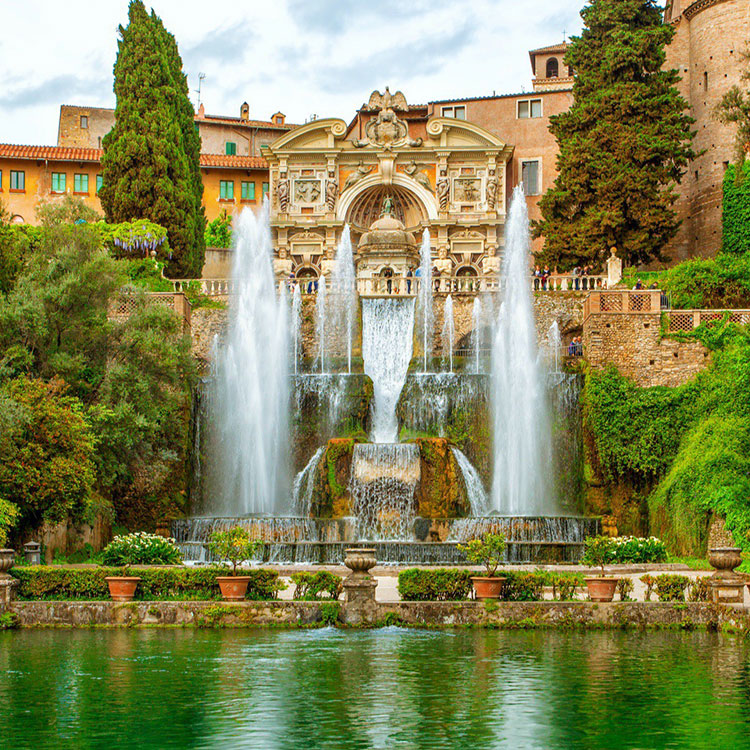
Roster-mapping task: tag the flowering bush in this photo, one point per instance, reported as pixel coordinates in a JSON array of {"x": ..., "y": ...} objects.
[
  {"x": 141, "y": 548},
  {"x": 633, "y": 549},
  {"x": 8, "y": 518}
]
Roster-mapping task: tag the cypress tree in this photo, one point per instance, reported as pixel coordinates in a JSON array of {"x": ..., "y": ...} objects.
[
  {"x": 622, "y": 144},
  {"x": 150, "y": 166}
]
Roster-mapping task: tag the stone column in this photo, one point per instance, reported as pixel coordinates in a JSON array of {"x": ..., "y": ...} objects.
[
  {"x": 359, "y": 607},
  {"x": 7, "y": 583}
]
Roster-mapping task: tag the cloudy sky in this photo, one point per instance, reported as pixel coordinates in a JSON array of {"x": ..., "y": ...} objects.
[{"x": 302, "y": 57}]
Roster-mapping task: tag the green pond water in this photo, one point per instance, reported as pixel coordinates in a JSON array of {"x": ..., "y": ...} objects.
[{"x": 388, "y": 688}]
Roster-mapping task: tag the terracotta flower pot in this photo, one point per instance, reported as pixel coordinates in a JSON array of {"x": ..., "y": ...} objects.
[
  {"x": 7, "y": 558},
  {"x": 233, "y": 588},
  {"x": 487, "y": 588},
  {"x": 122, "y": 588},
  {"x": 601, "y": 589}
]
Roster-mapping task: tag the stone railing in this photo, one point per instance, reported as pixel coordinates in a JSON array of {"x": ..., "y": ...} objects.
[
  {"x": 687, "y": 320},
  {"x": 623, "y": 301},
  {"x": 125, "y": 304}
]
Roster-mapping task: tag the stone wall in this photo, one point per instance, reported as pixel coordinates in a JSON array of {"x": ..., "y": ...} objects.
[
  {"x": 633, "y": 343},
  {"x": 205, "y": 323}
]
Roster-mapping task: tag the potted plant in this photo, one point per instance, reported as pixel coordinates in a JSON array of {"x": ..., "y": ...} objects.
[
  {"x": 488, "y": 552},
  {"x": 597, "y": 552},
  {"x": 235, "y": 546},
  {"x": 122, "y": 588}
]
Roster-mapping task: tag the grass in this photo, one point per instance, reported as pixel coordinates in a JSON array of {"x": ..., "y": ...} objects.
[{"x": 694, "y": 563}]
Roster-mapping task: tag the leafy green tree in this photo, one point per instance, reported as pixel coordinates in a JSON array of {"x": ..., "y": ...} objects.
[
  {"x": 736, "y": 209},
  {"x": 219, "y": 231},
  {"x": 150, "y": 166},
  {"x": 734, "y": 109},
  {"x": 622, "y": 144},
  {"x": 67, "y": 210},
  {"x": 47, "y": 450}
]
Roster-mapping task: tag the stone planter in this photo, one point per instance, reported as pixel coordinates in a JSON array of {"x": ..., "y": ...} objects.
[
  {"x": 7, "y": 558},
  {"x": 122, "y": 588},
  {"x": 601, "y": 589},
  {"x": 724, "y": 560},
  {"x": 233, "y": 588},
  {"x": 487, "y": 588},
  {"x": 360, "y": 560}
]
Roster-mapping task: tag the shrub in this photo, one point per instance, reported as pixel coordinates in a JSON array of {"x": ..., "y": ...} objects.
[
  {"x": 597, "y": 551},
  {"x": 488, "y": 551},
  {"x": 565, "y": 586},
  {"x": 649, "y": 582},
  {"x": 671, "y": 587},
  {"x": 523, "y": 587},
  {"x": 438, "y": 585},
  {"x": 311, "y": 586},
  {"x": 198, "y": 584},
  {"x": 624, "y": 589},
  {"x": 141, "y": 548},
  {"x": 637, "y": 550},
  {"x": 234, "y": 545},
  {"x": 698, "y": 590},
  {"x": 9, "y": 621},
  {"x": 8, "y": 518}
]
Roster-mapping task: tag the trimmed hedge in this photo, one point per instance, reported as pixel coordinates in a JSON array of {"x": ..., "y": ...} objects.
[
  {"x": 55, "y": 583},
  {"x": 440, "y": 584},
  {"x": 311, "y": 587}
]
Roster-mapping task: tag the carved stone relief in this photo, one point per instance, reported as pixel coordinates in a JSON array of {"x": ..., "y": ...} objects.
[{"x": 307, "y": 191}]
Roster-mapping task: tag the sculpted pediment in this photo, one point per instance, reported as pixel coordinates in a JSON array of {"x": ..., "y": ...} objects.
[
  {"x": 449, "y": 132},
  {"x": 318, "y": 134}
]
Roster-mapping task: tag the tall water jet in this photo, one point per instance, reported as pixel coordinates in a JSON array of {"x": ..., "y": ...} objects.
[
  {"x": 476, "y": 333},
  {"x": 554, "y": 345},
  {"x": 426, "y": 313},
  {"x": 387, "y": 333},
  {"x": 448, "y": 332},
  {"x": 296, "y": 327},
  {"x": 321, "y": 318},
  {"x": 522, "y": 436},
  {"x": 345, "y": 292},
  {"x": 249, "y": 398}
]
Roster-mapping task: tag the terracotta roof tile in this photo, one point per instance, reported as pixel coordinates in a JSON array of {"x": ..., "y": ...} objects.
[{"x": 65, "y": 153}]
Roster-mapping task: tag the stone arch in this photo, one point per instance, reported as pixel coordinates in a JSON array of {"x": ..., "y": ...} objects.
[
  {"x": 420, "y": 199},
  {"x": 553, "y": 68}
]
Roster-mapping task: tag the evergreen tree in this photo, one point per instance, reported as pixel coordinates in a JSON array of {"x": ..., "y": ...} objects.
[
  {"x": 622, "y": 144},
  {"x": 150, "y": 165}
]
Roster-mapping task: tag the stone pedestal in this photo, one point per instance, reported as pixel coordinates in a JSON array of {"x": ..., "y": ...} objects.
[
  {"x": 359, "y": 607},
  {"x": 8, "y": 586},
  {"x": 727, "y": 587}
]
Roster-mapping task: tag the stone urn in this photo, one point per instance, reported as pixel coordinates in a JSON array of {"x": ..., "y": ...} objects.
[
  {"x": 7, "y": 558},
  {"x": 360, "y": 560},
  {"x": 724, "y": 560}
]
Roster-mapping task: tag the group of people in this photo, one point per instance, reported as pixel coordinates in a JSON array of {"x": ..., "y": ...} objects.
[
  {"x": 575, "y": 347},
  {"x": 307, "y": 284}
]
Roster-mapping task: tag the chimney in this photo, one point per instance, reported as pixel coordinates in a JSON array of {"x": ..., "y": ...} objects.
[
  {"x": 245, "y": 111},
  {"x": 201, "y": 112}
]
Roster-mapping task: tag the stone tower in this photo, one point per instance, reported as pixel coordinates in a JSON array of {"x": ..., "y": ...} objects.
[{"x": 710, "y": 34}]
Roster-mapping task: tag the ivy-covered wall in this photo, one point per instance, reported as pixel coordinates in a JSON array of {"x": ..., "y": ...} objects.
[{"x": 736, "y": 210}]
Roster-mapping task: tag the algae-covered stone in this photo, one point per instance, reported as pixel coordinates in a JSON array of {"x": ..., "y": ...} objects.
[{"x": 441, "y": 492}]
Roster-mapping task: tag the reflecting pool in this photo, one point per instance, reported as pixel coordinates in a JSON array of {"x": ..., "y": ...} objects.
[{"x": 388, "y": 688}]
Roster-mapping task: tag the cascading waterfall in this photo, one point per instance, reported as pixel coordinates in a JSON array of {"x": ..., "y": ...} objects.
[
  {"x": 522, "y": 436},
  {"x": 249, "y": 395},
  {"x": 345, "y": 292},
  {"x": 387, "y": 333},
  {"x": 320, "y": 324},
  {"x": 476, "y": 333},
  {"x": 303, "y": 484},
  {"x": 296, "y": 327},
  {"x": 448, "y": 331},
  {"x": 383, "y": 481},
  {"x": 426, "y": 313},
  {"x": 475, "y": 491}
]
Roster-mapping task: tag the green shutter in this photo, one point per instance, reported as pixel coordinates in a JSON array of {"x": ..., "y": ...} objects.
[
  {"x": 231, "y": 148},
  {"x": 58, "y": 182},
  {"x": 17, "y": 180},
  {"x": 248, "y": 191},
  {"x": 226, "y": 190},
  {"x": 81, "y": 183},
  {"x": 99, "y": 181}
]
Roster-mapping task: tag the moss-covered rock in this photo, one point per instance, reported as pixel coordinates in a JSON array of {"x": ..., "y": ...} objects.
[
  {"x": 330, "y": 496},
  {"x": 441, "y": 492}
]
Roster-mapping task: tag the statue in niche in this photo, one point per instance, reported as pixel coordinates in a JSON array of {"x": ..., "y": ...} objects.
[
  {"x": 360, "y": 173},
  {"x": 387, "y": 207},
  {"x": 443, "y": 191},
  {"x": 416, "y": 172},
  {"x": 491, "y": 192},
  {"x": 387, "y": 130},
  {"x": 332, "y": 192},
  {"x": 282, "y": 193}
]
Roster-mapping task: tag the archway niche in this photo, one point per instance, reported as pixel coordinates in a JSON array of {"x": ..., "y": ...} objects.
[{"x": 367, "y": 207}]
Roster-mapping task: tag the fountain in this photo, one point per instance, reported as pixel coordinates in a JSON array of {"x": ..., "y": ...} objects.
[
  {"x": 448, "y": 332},
  {"x": 296, "y": 326},
  {"x": 345, "y": 292},
  {"x": 426, "y": 313},
  {"x": 476, "y": 335},
  {"x": 554, "y": 345},
  {"x": 522, "y": 438},
  {"x": 321, "y": 318}
]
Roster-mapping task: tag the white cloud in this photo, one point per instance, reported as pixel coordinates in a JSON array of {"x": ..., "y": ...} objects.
[{"x": 302, "y": 57}]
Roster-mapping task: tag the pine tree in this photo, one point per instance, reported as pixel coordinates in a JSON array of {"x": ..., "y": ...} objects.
[
  {"x": 150, "y": 166},
  {"x": 622, "y": 145}
]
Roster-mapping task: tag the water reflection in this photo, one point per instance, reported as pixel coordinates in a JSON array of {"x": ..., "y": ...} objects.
[{"x": 389, "y": 688}]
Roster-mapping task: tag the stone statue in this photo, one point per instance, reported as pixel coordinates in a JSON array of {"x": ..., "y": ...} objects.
[
  {"x": 443, "y": 192},
  {"x": 282, "y": 194},
  {"x": 414, "y": 171},
  {"x": 492, "y": 185},
  {"x": 360, "y": 173},
  {"x": 332, "y": 192},
  {"x": 387, "y": 207},
  {"x": 386, "y": 130}
]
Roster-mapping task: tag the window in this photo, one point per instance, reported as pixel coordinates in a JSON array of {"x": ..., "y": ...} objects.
[
  {"x": 231, "y": 148},
  {"x": 265, "y": 189},
  {"x": 459, "y": 113},
  {"x": 279, "y": 120},
  {"x": 529, "y": 108},
  {"x": 17, "y": 180},
  {"x": 553, "y": 68},
  {"x": 226, "y": 190},
  {"x": 530, "y": 177},
  {"x": 81, "y": 183},
  {"x": 99, "y": 181},
  {"x": 58, "y": 182},
  {"x": 248, "y": 191},
  {"x": 705, "y": 81},
  {"x": 84, "y": 122}
]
